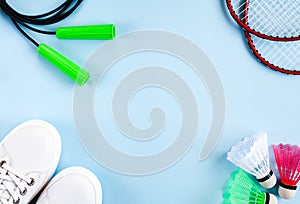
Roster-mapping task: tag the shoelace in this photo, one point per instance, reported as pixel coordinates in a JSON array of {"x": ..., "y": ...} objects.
[{"x": 13, "y": 184}]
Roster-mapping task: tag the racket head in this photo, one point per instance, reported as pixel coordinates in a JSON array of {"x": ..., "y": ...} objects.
[
  {"x": 276, "y": 20},
  {"x": 280, "y": 56}
]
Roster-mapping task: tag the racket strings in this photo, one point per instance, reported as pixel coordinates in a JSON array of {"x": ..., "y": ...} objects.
[
  {"x": 272, "y": 29},
  {"x": 278, "y": 53},
  {"x": 264, "y": 24},
  {"x": 279, "y": 18},
  {"x": 284, "y": 55},
  {"x": 267, "y": 23}
]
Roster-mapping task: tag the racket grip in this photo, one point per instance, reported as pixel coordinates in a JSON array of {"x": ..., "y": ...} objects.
[
  {"x": 73, "y": 71},
  {"x": 92, "y": 32}
]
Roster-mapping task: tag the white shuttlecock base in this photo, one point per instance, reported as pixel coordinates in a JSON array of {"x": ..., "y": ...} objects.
[
  {"x": 273, "y": 199},
  {"x": 286, "y": 193},
  {"x": 268, "y": 181}
]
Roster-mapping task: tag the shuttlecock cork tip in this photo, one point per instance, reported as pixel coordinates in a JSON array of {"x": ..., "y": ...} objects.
[
  {"x": 287, "y": 192},
  {"x": 268, "y": 181},
  {"x": 273, "y": 199}
]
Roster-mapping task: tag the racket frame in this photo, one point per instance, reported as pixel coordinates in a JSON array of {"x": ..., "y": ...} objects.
[
  {"x": 256, "y": 52},
  {"x": 246, "y": 27}
]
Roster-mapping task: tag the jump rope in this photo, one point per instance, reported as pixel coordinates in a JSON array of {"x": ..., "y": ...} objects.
[{"x": 34, "y": 22}]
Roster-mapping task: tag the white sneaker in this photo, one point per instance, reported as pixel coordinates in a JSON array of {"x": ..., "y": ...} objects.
[
  {"x": 75, "y": 185},
  {"x": 29, "y": 155}
]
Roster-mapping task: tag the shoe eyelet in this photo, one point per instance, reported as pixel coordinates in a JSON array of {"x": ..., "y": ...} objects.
[
  {"x": 22, "y": 193},
  {"x": 17, "y": 201},
  {"x": 2, "y": 162},
  {"x": 32, "y": 182}
]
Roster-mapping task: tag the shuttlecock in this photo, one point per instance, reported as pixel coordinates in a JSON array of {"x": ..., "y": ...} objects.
[
  {"x": 242, "y": 190},
  {"x": 288, "y": 164},
  {"x": 252, "y": 155}
]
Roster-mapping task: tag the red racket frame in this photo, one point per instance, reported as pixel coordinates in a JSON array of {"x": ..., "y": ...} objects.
[
  {"x": 258, "y": 55},
  {"x": 245, "y": 26},
  {"x": 266, "y": 62}
]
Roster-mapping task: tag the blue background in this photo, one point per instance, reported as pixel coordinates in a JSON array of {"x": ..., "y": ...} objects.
[{"x": 257, "y": 99}]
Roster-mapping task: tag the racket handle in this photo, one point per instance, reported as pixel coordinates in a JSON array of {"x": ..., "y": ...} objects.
[
  {"x": 73, "y": 71},
  {"x": 92, "y": 32}
]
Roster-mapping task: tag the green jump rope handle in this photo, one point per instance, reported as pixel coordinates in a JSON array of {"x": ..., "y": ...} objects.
[
  {"x": 76, "y": 73},
  {"x": 92, "y": 32}
]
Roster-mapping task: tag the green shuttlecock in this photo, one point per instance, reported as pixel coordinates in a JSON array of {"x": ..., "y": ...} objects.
[
  {"x": 73, "y": 71},
  {"x": 241, "y": 189},
  {"x": 92, "y": 32}
]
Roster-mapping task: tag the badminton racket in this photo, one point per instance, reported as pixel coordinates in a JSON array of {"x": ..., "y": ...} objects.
[
  {"x": 277, "y": 20},
  {"x": 280, "y": 56}
]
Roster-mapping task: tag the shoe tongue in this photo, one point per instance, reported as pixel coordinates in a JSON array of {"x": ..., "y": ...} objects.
[{"x": 4, "y": 156}]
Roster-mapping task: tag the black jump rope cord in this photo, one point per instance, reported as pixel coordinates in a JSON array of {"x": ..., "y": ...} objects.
[
  {"x": 34, "y": 23},
  {"x": 51, "y": 17}
]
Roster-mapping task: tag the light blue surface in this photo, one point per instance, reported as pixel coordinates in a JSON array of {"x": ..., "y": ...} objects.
[{"x": 257, "y": 99}]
